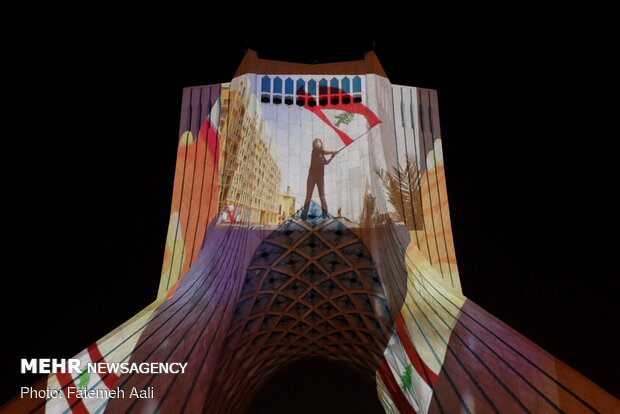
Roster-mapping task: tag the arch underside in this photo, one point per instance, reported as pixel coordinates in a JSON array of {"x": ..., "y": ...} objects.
[{"x": 311, "y": 290}]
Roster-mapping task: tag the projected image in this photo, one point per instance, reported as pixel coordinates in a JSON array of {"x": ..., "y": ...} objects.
[
  {"x": 299, "y": 139},
  {"x": 310, "y": 219}
]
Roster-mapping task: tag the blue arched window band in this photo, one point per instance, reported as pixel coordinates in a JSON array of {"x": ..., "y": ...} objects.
[{"x": 291, "y": 86}]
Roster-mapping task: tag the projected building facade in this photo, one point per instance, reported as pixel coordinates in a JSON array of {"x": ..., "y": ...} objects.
[{"x": 254, "y": 279}]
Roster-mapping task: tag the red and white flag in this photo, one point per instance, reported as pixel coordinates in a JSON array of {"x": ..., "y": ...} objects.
[{"x": 340, "y": 116}]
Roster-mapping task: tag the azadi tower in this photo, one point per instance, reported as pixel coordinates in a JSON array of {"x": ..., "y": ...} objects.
[{"x": 310, "y": 218}]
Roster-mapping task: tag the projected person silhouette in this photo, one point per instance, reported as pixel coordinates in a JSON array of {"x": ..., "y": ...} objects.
[{"x": 316, "y": 175}]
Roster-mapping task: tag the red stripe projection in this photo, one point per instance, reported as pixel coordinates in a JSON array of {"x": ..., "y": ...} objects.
[
  {"x": 423, "y": 370},
  {"x": 76, "y": 404},
  {"x": 109, "y": 379},
  {"x": 395, "y": 392}
]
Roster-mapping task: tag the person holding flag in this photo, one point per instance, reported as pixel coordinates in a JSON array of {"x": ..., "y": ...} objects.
[
  {"x": 316, "y": 175},
  {"x": 339, "y": 117}
]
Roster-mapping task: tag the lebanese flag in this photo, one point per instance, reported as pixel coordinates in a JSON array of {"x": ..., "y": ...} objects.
[
  {"x": 407, "y": 370},
  {"x": 341, "y": 117},
  {"x": 93, "y": 381}
]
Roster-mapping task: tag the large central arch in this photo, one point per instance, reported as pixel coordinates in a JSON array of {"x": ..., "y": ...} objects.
[{"x": 311, "y": 290}]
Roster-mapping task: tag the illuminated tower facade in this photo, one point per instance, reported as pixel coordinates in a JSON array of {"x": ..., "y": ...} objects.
[{"x": 254, "y": 278}]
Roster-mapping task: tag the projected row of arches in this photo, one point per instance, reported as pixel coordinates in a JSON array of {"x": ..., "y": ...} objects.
[{"x": 287, "y": 90}]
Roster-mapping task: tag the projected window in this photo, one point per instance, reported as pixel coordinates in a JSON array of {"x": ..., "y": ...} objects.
[
  {"x": 323, "y": 96},
  {"x": 346, "y": 90},
  {"x": 265, "y": 89},
  {"x": 357, "y": 89},
  {"x": 312, "y": 92},
  {"x": 288, "y": 91},
  {"x": 334, "y": 91},
  {"x": 277, "y": 90},
  {"x": 301, "y": 90}
]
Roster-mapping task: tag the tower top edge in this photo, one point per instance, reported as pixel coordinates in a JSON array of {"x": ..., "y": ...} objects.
[{"x": 251, "y": 63}]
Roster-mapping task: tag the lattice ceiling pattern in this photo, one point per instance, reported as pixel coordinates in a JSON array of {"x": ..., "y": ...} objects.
[{"x": 311, "y": 290}]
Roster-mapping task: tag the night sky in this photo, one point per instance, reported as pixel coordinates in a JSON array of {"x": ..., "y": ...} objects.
[{"x": 527, "y": 141}]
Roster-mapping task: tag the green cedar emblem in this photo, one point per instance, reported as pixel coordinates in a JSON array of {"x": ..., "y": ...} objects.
[
  {"x": 84, "y": 378},
  {"x": 406, "y": 378},
  {"x": 344, "y": 118}
]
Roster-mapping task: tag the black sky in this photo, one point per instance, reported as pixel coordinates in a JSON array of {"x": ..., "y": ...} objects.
[{"x": 91, "y": 145}]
